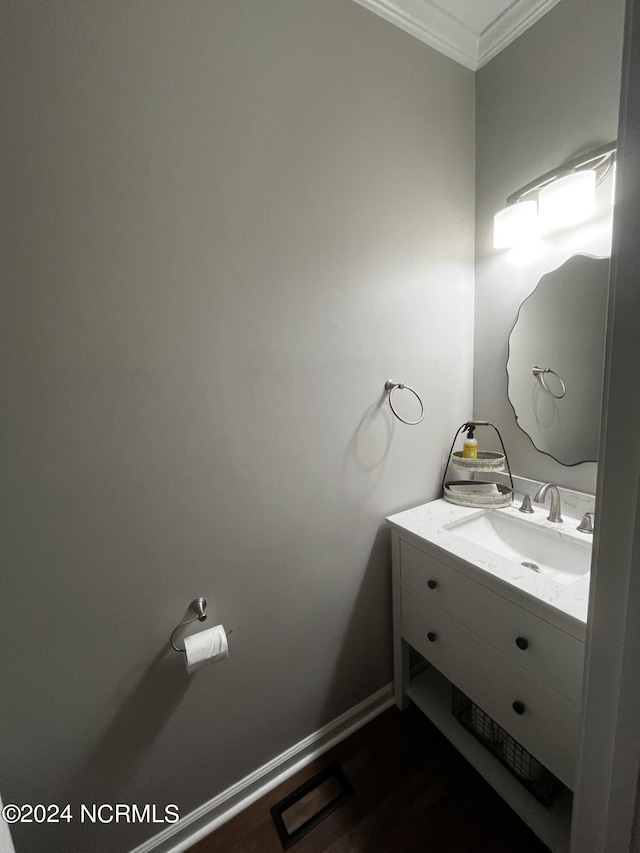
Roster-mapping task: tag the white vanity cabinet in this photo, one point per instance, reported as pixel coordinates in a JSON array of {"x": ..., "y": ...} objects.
[{"x": 519, "y": 668}]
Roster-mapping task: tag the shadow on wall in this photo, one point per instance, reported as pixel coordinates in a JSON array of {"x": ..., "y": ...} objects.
[
  {"x": 140, "y": 718},
  {"x": 371, "y": 441},
  {"x": 117, "y": 757},
  {"x": 370, "y": 622}
]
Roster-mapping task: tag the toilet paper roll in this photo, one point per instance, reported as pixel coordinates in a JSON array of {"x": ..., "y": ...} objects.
[{"x": 206, "y": 647}]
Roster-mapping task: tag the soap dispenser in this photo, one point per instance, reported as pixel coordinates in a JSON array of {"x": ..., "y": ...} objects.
[{"x": 470, "y": 444}]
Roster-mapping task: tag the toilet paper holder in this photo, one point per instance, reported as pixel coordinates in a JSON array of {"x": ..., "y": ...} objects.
[{"x": 199, "y": 607}]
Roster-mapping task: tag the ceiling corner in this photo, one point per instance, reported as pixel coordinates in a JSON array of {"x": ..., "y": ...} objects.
[
  {"x": 431, "y": 25},
  {"x": 471, "y": 32},
  {"x": 510, "y": 24}
]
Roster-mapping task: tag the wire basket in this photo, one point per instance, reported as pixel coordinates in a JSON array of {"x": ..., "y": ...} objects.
[{"x": 539, "y": 781}]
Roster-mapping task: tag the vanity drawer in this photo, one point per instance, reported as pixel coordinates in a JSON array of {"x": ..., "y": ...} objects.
[
  {"x": 544, "y": 650},
  {"x": 541, "y": 720}
]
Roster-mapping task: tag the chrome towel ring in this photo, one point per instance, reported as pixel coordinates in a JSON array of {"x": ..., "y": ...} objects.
[
  {"x": 539, "y": 373},
  {"x": 390, "y": 386}
]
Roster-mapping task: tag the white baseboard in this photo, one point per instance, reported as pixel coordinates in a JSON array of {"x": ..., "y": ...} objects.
[{"x": 181, "y": 835}]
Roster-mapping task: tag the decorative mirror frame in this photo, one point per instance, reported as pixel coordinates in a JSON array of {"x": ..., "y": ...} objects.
[{"x": 550, "y": 382}]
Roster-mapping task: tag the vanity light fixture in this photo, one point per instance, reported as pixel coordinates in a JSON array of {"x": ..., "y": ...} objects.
[
  {"x": 557, "y": 199},
  {"x": 515, "y": 224},
  {"x": 567, "y": 200}
]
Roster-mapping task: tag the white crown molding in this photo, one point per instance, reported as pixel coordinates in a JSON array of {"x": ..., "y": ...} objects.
[
  {"x": 506, "y": 28},
  {"x": 445, "y": 30},
  {"x": 430, "y": 24}
]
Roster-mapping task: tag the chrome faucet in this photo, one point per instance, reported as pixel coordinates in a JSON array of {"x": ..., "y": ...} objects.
[{"x": 555, "y": 509}]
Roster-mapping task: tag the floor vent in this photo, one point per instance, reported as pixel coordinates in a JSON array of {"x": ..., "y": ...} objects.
[{"x": 311, "y": 803}]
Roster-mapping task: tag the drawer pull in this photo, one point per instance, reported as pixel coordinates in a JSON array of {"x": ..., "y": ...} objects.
[
  {"x": 518, "y": 707},
  {"x": 432, "y": 584},
  {"x": 432, "y": 637},
  {"x": 522, "y": 643}
]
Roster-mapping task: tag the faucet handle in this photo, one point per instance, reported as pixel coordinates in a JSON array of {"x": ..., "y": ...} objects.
[
  {"x": 525, "y": 506},
  {"x": 586, "y": 525}
]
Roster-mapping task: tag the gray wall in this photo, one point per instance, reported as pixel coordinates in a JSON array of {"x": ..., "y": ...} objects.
[
  {"x": 551, "y": 94},
  {"x": 226, "y": 225}
]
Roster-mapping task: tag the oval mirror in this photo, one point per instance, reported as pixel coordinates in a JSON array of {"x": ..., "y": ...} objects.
[{"x": 555, "y": 361}]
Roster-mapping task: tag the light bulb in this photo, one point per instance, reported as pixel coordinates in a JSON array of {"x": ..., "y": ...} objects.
[
  {"x": 515, "y": 225},
  {"x": 567, "y": 200}
]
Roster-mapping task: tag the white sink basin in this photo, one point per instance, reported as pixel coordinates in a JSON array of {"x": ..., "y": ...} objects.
[{"x": 536, "y": 549}]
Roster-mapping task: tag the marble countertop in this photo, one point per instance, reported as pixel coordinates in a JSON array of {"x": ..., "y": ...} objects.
[{"x": 563, "y": 605}]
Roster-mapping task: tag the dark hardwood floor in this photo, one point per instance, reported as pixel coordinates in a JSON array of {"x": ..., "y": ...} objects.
[{"x": 414, "y": 793}]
